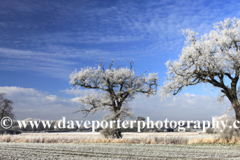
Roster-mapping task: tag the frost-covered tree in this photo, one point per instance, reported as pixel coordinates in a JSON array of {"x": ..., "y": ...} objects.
[
  {"x": 117, "y": 86},
  {"x": 214, "y": 58},
  {"x": 5, "y": 107}
]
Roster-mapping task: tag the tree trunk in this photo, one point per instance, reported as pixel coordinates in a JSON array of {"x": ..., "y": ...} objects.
[
  {"x": 237, "y": 113},
  {"x": 236, "y": 107},
  {"x": 118, "y": 132}
]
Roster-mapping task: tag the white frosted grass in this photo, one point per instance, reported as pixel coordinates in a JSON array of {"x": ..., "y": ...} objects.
[
  {"x": 153, "y": 138},
  {"x": 67, "y": 133}
]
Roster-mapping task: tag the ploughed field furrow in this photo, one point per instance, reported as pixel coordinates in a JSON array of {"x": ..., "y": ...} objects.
[{"x": 115, "y": 151}]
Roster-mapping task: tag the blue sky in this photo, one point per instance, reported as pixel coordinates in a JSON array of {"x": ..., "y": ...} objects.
[{"x": 42, "y": 42}]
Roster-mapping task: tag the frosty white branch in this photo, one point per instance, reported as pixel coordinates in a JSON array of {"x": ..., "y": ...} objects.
[
  {"x": 116, "y": 85},
  {"x": 212, "y": 59}
]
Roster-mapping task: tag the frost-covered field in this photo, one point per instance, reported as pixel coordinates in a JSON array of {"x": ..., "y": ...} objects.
[
  {"x": 115, "y": 151},
  {"x": 148, "y": 138},
  {"x": 94, "y": 146}
]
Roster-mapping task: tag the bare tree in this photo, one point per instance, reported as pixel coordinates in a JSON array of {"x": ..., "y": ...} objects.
[
  {"x": 140, "y": 118},
  {"x": 117, "y": 86},
  {"x": 6, "y": 107},
  {"x": 213, "y": 59}
]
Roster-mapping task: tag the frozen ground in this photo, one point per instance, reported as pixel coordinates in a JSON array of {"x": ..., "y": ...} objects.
[
  {"x": 87, "y": 145},
  {"x": 115, "y": 151}
]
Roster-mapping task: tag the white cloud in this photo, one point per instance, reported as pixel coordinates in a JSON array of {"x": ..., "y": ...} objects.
[
  {"x": 180, "y": 107},
  {"x": 135, "y": 30},
  {"x": 78, "y": 92},
  {"x": 57, "y": 64},
  {"x": 32, "y": 103}
]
